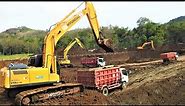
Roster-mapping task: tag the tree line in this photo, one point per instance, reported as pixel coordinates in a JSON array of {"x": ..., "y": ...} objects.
[{"x": 25, "y": 40}]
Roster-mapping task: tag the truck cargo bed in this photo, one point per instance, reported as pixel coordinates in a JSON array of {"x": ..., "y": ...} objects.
[
  {"x": 168, "y": 55},
  {"x": 99, "y": 77}
]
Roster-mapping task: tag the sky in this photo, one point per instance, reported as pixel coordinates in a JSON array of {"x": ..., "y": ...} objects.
[{"x": 41, "y": 15}]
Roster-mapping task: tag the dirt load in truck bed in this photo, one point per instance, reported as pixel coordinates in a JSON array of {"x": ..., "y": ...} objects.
[{"x": 153, "y": 83}]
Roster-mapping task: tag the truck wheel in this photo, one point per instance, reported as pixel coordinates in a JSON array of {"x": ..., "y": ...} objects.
[
  {"x": 105, "y": 91},
  {"x": 166, "y": 61},
  {"x": 83, "y": 66},
  {"x": 123, "y": 85}
]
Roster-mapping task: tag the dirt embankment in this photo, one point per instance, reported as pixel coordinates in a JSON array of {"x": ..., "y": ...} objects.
[
  {"x": 160, "y": 85},
  {"x": 5, "y": 63},
  {"x": 88, "y": 97},
  {"x": 120, "y": 57}
]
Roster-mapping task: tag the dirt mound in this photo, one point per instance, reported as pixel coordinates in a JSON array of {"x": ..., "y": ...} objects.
[
  {"x": 163, "y": 85},
  {"x": 5, "y": 63},
  {"x": 120, "y": 57},
  {"x": 88, "y": 97},
  {"x": 167, "y": 91},
  {"x": 4, "y": 100}
]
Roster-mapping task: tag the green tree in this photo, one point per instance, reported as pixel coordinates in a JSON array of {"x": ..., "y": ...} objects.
[{"x": 176, "y": 32}]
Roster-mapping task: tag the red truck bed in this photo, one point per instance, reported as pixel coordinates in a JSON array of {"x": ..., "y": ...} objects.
[
  {"x": 98, "y": 77},
  {"x": 89, "y": 60},
  {"x": 168, "y": 55}
]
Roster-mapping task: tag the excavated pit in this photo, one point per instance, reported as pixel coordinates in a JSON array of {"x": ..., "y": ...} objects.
[{"x": 149, "y": 82}]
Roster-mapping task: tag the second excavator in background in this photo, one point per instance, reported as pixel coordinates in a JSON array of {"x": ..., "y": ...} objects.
[
  {"x": 151, "y": 43},
  {"x": 65, "y": 62}
]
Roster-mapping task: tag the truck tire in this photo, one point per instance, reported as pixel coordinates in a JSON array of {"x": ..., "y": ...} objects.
[
  {"x": 105, "y": 91},
  {"x": 123, "y": 85},
  {"x": 166, "y": 61},
  {"x": 83, "y": 65}
]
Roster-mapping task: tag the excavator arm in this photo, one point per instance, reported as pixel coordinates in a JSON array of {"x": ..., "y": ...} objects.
[
  {"x": 147, "y": 43},
  {"x": 60, "y": 28},
  {"x": 66, "y": 50},
  {"x": 65, "y": 62}
]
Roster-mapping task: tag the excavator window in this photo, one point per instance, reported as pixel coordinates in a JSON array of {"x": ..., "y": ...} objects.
[{"x": 35, "y": 60}]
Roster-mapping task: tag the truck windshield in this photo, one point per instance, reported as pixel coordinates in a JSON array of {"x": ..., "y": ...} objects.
[
  {"x": 101, "y": 60},
  {"x": 125, "y": 72}
]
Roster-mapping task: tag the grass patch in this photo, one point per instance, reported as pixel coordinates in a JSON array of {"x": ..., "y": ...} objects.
[{"x": 15, "y": 56}]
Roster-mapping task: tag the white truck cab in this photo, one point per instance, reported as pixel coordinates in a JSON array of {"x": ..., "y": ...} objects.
[
  {"x": 124, "y": 75},
  {"x": 176, "y": 55}
]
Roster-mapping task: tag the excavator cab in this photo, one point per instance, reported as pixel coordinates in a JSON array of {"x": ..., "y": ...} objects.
[{"x": 35, "y": 60}]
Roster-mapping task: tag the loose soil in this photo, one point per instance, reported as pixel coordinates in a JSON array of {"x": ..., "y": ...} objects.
[{"x": 149, "y": 83}]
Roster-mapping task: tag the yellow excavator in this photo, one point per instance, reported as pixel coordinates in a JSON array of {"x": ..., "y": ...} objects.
[
  {"x": 41, "y": 79},
  {"x": 146, "y": 43},
  {"x": 65, "y": 62}
]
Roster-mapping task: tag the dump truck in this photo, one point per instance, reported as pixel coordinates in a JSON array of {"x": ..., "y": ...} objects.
[
  {"x": 93, "y": 62},
  {"x": 103, "y": 78},
  {"x": 169, "y": 56}
]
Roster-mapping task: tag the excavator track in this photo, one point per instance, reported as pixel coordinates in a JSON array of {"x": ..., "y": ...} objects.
[{"x": 43, "y": 93}]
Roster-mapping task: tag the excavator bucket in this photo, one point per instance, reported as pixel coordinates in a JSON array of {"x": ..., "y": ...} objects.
[
  {"x": 106, "y": 45},
  {"x": 108, "y": 42}
]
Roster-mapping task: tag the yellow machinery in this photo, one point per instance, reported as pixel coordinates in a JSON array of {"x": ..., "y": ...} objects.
[
  {"x": 65, "y": 62},
  {"x": 40, "y": 80},
  {"x": 147, "y": 43}
]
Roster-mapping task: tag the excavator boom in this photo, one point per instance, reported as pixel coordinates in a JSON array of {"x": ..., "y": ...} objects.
[
  {"x": 70, "y": 45},
  {"x": 64, "y": 25}
]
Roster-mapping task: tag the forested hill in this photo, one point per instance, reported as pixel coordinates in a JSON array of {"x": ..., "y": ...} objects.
[
  {"x": 178, "y": 19},
  {"x": 22, "y": 31},
  {"x": 26, "y": 40},
  {"x": 21, "y": 40}
]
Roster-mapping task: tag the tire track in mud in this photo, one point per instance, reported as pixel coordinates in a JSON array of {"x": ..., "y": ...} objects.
[{"x": 88, "y": 97}]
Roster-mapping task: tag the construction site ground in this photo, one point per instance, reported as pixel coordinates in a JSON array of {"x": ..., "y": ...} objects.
[{"x": 150, "y": 82}]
